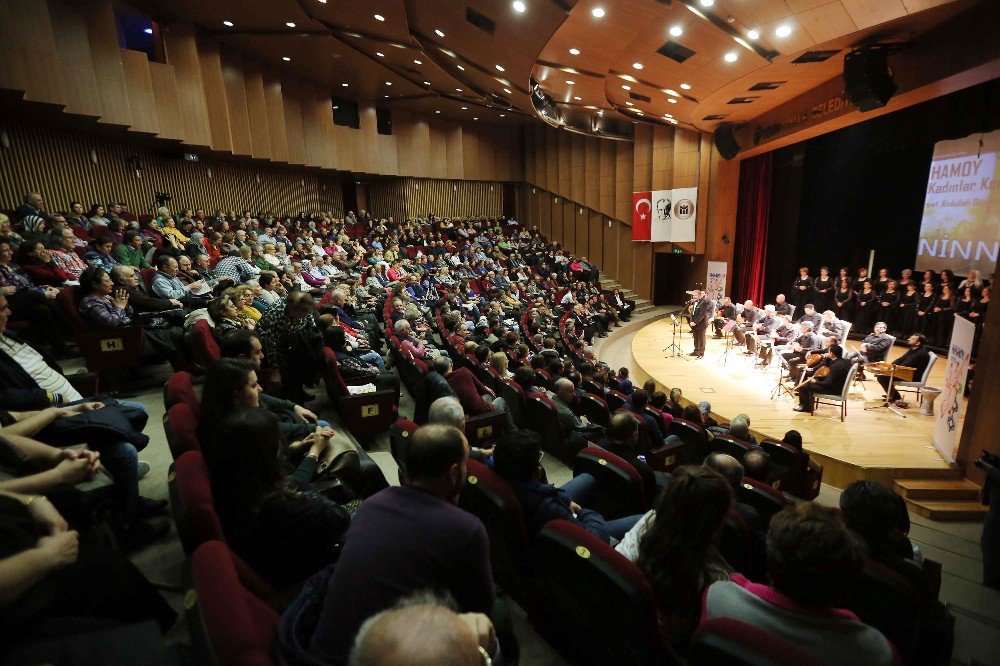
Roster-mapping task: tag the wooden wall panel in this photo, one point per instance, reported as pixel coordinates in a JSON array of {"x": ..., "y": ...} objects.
[
  {"x": 642, "y": 158},
  {"x": 577, "y": 178},
  {"x": 79, "y": 82},
  {"x": 608, "y": 183},
  {"x": 592, "y": 169},
  {"x": 292, "y": 102},
  {"x": 260, "y": 130},
  {"x": 545, "y": 213},
  {"x": 569, "y": 224},
  {"x": 237, "y": 111},
  {"x": 455, "y": 156},
  {"x": 30, "y": 51},
  {"x": 275, "y": 107},
  {"x": 623, "y": 181},
  {"x": 213, "y": 91},
  {"x": 551, "y": 161},
  {"x": 139, "y": 92},
  {"x": 663, "y": 158},
  {"x": 595, "y": 249},
  {"x": 565, "y": 143},
  {"x": 315, "y": 121},
  {"x": 182, "y": 53},
  {"x": 610, "y": 236},
  {"x": 168, "y": 110},
  {"x": 108, "y": 72}
]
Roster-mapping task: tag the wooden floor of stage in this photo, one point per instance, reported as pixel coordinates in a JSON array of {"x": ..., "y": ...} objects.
[{"x": 868, "y": 444}]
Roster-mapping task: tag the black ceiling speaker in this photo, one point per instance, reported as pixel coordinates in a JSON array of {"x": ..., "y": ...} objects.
[
  {"x": 725, "y": 141},
  {"x": 868, "y": 80}
]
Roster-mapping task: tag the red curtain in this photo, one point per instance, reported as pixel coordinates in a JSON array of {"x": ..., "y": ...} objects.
[{"x": 752, "y": 219}]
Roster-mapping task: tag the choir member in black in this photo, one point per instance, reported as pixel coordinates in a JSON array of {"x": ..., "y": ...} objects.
[
  {"x": 929, "y": 277},
  {"x": 781, "y": 306},
  {"x": 802, "y": 291},
  {"x": 944, "y": 315},
  {"x": 907, "y": 309},
  {"x": 874, "y": 347},
  {"x": 974, "y": 280},
  {"x": 726, "y": 312},
  {"x": 905, "y": 278},
  {"x": 882, "y": 283},
  {"x": 977, "y": 315},
  {"x": 923, "y": 321},
  {"x": 948, "y": 278},
  {"x": 917, "y": 357},
  {"x": 888, "y": 302},
  {"x": 964, "y": 304},
  {"x": 823, "y": 286},
  {"x": 843, "y": 298},
  {"x": 860, "y": 280},
  {"x": 846, "y": 275},
  {"x": 866, "y": 307}
]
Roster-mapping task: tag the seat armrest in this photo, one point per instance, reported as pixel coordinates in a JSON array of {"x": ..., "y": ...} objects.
[{"x": 87, "y": 383}]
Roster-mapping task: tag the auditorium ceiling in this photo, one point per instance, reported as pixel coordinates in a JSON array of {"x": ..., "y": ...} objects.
[{"x": 694, "y": 63}]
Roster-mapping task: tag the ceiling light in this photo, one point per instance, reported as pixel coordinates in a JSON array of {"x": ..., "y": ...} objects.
[
  {"x": 742, "y": 43},
  {"x": 731, "y": 56},
  {"x": 499, "y": 68},
  {"x": 574, "y": 51},
  {"x": 639, "y": 111},
  {"x": 458, "y": 89},
  {"x": 626, "y": 87},
  {"x": 380, "y": 54},
  {"x": 379, "y": 17},
  {"x": 569, "y": 83},
  {"x": 228, "y": 24},
  {"x": 465, "y": 108},
  {"x": 437, "y": 112},
  {"x": 439, "y": 33},
  {"x": 417, "y": 62},
  {"x": 344, "y": 84},
  {"x": 601, "y": 112},
  {"x": 667, "y": 115},
  {"x": 460, "y": 67},
  {"x": 707, "y": 3},
  {"x": 783, "y": 30},
  {"x": 290, "y": 24},
  {"x": 669, "y": 91},
  {"x": 577, "y": 98},
  {"x": 503, "y": 115},
  {"x": 475, "y": 117},
  {"x": 508, "y": 91},
  {"x": 287, "y": 59},
  {"x": 427, "y": 83},
  {"x": 519, "y": 6},
  {"x": 387, "y": 97},
  {"x": 597, "y": 12},
  {"x": 753, "y": 34},
  {"x": 629, "y": 104},
  {"x": 148, "y": 31},
  {"x": 637, "y": 65},
  {"x": 685, "y": 86},
  {"x": 671, "y": 100},
  {"x": 323, "y": 1},
  {"x": 388, "y": 83},
  {"x": 676, "y": 31}
]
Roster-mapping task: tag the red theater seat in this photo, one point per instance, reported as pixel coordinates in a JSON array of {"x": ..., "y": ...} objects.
[
  {"x": 620, "y": 488},
  {"x": 762, "y": 497},
  {"x": 179, "y": 389},
  {"x": 728, "y": 642},
  {"x": 181, "y": 427},
  {"x": 364, "y": 414},
  {"x": 595, "y": 409},
  {"x": 206, "y": 349},
  {"x": 108, "y": 351}
]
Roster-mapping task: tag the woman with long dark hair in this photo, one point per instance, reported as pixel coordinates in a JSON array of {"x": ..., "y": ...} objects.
[
  {"x": 843, "y": 298},
  {"x": 823, "y": 287},
  {"x": 944, "y": 315},
  {"x": 866, "y": 308},
  {"x": 282, "y": 530}
]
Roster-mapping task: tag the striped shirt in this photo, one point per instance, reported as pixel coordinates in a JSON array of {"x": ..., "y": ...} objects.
[{"x": 34, "y": 364}]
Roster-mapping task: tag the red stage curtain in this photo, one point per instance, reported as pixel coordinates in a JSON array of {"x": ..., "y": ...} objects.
[{"x": 752, "y": 219}]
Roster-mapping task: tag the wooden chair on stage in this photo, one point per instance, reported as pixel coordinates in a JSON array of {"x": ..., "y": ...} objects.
[
  {"x": 837, "y": 399},
  {"x": 918, "y": 383}
]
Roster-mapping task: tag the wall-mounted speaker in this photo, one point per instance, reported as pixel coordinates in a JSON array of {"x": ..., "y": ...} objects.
[
  {"x": 725, "y": 141},
  {"x": 868, "y": 80}
]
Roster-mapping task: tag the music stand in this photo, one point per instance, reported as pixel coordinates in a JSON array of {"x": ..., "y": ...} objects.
[
  {"x": 727, "y": 328},
  {"x": 780, "y": 386},
  {"x": 673, "y": 347},
  {"x": 888, "y": 391}
]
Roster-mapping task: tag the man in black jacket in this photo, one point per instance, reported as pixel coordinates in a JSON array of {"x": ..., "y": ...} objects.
[
  {"x": 139, "y": 297},
  {"x": 700, "y": 316},
  {"x": 622, "y": 440},
  {"x": 917, "y": 357},
  {"x": 832, "y": 384}
]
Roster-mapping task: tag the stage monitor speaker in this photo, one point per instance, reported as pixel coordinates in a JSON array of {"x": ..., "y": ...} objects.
[
  {"x": 868, "y": 80},
  {"x": 725, "y": 141}
]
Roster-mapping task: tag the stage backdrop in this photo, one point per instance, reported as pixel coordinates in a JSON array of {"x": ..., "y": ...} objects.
[
  {"x": 665, "y": 216},
  {"x": 950, "y": 401},
  {"x": 960, "y": 229}
]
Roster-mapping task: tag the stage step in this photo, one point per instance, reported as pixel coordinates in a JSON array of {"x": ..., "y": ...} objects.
[
  {"x": 642, "y": 305},
  {"x": 948, "y": 511},
  {"x": 958, "y": 490}
]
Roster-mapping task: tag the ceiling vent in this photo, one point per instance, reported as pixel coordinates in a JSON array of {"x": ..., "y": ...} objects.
[
  {"x": 766, "y": 85},
  {"x": 716, "y": 116},
  {"x": 675, "y": 51},
  {"x": 815, "y": 56},
  {"x": 485, "y": 24},
  {"x": 639, "y": 98},
  {"x": 742, "y": 100}
]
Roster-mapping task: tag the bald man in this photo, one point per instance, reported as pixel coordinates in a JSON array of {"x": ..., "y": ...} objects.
[{"x": 422, "y": 631}]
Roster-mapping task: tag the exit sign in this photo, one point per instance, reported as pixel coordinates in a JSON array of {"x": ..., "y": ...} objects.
[{"x": 677, "y": 250}]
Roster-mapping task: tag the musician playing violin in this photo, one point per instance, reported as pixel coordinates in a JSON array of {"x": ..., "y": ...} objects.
[
  {"x": 832, "y": 384},
  {"x": 805, "y": 343},
  {"x": 726, "y": 312}
]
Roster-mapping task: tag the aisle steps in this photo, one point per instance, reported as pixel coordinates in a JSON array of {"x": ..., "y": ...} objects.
[
  {"x": 641, "y": 304},
  {"x": 942, "y": 499}
]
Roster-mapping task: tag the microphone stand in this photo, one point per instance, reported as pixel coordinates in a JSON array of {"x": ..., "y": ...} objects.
[{"x": 673, "y": 347}]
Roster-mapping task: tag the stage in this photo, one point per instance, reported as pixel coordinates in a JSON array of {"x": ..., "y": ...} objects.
[{"x": 875, "y": 444}]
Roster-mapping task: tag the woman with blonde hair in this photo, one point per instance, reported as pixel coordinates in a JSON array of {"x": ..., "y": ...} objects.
[
  {"x": 498, "y": 361},
  {"x": 243, "y": 298}
]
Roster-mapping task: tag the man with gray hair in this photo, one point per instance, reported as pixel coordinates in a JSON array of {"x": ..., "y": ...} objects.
[
  {"x": 732, "y": 471},
  {"x": 448, "y": 411},
  {"x": 805, "y": 344},
  {"x": 580, "y": 432}
]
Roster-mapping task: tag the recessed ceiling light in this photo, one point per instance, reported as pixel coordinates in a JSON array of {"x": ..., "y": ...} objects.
[
  {"x": 499, "y": 68},
  {"x": 671, "y": 100},
  {"x": 475, "y": 117},
  {"x": 753, "y": 34},
  {"x": 570, "y": 83},
  {"x": 629, "y": 104},
  {"x": 465, "y": 108},
  {"x": 731, "y": 56},
  {"x": 437, "y": 112},
  {"x": 519, "y": 6},
  {"x": 676, "y": 31},
  {"x": 667, "y": 115},
  {"x": 626, "y": 87},
  {"x": 685, "y": 86},
  {"x": 637, "y": 65},
  {"x": 427, "y": 83},
  {"x": 639, "y": 111},
  {"x": 460, "y": 67},
  {"x": 417, "y": 62},
  {"x": 379, "y": 17},
  {"x": 707, "y": 3},
  {"x": 577, "y": 98},
  {"x": 439, "y": 33},
  {"x": 228, "y": 24},
  {"x": 574, "y": 51},
  {"x": 597, "y": 12},
  {"x": 503, "y": 115},
  {"x": 508, "y": 91},
  {"x": 387, "y": 97},
  {"x": 783, "y": 30},
  {"x": 290, "y": 24},
  {"x": 458, "y": 89},
  {"x": 148, "y": 31},
  {"x": 388, "y": 83},
  {"x": 344, "y": 84},
  {"x": 287, "y": 59},
  {"x": 323, "y": 1},
  {"x": 380, "y": 54},
  {"x": 670, "y": 91}
]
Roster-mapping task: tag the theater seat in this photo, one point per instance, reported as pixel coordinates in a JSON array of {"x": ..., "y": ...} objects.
[
  {"x": 206, "y": 349},
  {"x": 729, "y": 445},
  {"x": 543, "y": 419},
  {"x": 179, "y": 389},
  {"x": 595, "y": 409},
  {"x": 483, "y": 430},
  {"x": 364, "y": 414},
  {"x": 512, "y": 394},
  {"x": 762, "y": 497},
  {"x": 595, "y": 605},
  {"x": 181, "y": 427},
  {"x": 884, "y": 599},
  {"x": 238, "y": 629},
  {"x": 615, "y": 400},
  {"x": 399, "y": 434},
  {"x": 693, "y": 436},
  {"x": 728, "y": 642},
  {"x": 488, "y": 496},
  {"x": 107, "y": 352},
  {"x": 620, "y": 488}
]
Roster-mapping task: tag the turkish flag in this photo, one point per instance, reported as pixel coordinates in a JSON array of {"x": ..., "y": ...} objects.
[{"x": 642, "y": 215}]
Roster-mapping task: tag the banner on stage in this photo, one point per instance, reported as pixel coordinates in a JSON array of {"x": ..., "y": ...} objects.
[
  {"x": 715, "y": 282},
  {"x": 950, "y": 401},
  {"x": 665, "y": 216}
]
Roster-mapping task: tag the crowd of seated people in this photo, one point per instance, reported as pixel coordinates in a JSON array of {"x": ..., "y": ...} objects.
[{"x": 457, "y": 310}]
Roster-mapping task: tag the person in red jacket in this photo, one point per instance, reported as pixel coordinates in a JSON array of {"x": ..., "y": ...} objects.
[
  {"x": 37, "y": 264},
  {"x": 476, "y": 398}
]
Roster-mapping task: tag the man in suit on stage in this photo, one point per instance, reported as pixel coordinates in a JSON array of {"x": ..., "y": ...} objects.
[
  {"x": 832, "y": 384},
  {"x": 874, "y": 347},
  {"x": 700, "y": 316},
  {"x": 917, "y": 357}
]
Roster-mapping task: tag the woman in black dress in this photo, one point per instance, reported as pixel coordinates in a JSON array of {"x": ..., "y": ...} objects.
[
  {"x": 802, "y": 291},
  {"x": 866, "y": 308},
  {"x": 944, "y": 315},
  {"x": 823, "y": 286},
  {"x": 931, "y": 278},
  {"x": 964, "y": 305},
  {"x": 907, "y": 309},
  {"x": 843, "y": 299},
  {"x": 882, "y": 283},
  {"x": 888, "y": 311},
  {"x": 923, "y": 321}
]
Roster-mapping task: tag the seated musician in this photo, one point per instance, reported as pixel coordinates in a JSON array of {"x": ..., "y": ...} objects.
[
  {"x": 802, "y": 346},
  {"x": 819, "y": 359},
  {"x": 746, "y": 320},
  {"x": 781, "y": 306},
  {"x": 727, "y": 312},
  {"x": 761, "y": 329},
  {"x": 874, "y": 348},
  {"x": 917, "y": 358},
  {"x": 783, "y": 334},
  {"x": 830, "y": 325},
  {"x": 810, "y": 315},
  {"x": 832, "y": 383}
]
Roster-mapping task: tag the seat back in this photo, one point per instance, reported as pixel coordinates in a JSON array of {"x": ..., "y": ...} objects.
[
  {"x": 184, "y": 429},
  {"x": 107, "y": 351},
  {"x": 762, "y": 497},
  {"x": 197, "y": 521},
  {"x": 621, "y": 491},
  {"x": 543, "y": 418},
  {"x": 694, "y": 438},
  {"x": 615, "y": 400},
  {"x": 399, "y": 436},
  {"x": 239, "y": 629},
  {"x": 206, "y": 349},
  {"x": 596, "y": 606},
  {"x": 729, "y": 444},
  {"x": 487, "y": 496},
  {"x": 658, "y": 417},
  {"x": 595, "y": 409},
  {"x": 884, "y": 599},
  {"x": 932, "y": 359},
  {"x": 512, "y": 394},
  {"x": 727, "y": 642},
  {"x": 147, "y": 276},
  {"x": 179, "y": 389},
  {"x": 484, "y": 429}
]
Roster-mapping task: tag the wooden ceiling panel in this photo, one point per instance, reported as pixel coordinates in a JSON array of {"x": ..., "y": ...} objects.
[
  {"x": 826, "y": 22},
  {"x": 799, "y": 6},
  {"x": 866, "y": 13},
  {"x": 360, "y": 16},
  {"x": 800, "y": 39},
  {"x": 755, "y": 13},
  {"x": 914, "y": 6}
]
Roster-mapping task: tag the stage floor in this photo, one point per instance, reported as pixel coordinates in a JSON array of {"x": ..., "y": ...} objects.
[{"x": 868, "y": 444}]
